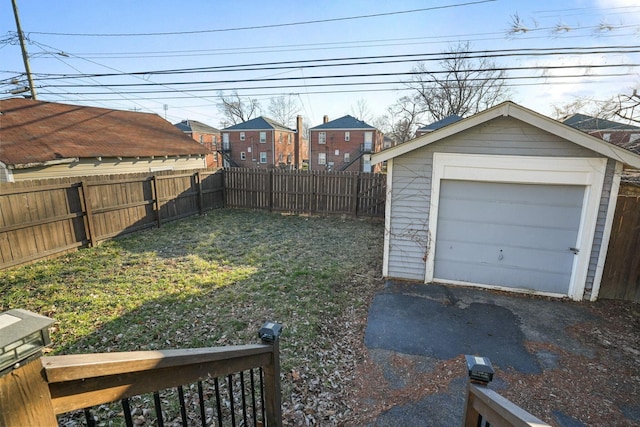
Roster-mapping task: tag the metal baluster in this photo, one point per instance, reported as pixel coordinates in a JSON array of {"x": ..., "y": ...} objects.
[
  {"x": 217, "y": 387},
  {"x": 262, "y": 393},
  {"x": 156, "y": 401},
  {"x": 203, "y": 417},
  {"x": 91, "y": 422},
  {"x": 244, "y": 399},
  {"x": 253, "y": 399},
  {"x": 126, "y": 409},
  {"x": 183, "y": 408},
  {"x": 233, "y": 413}
]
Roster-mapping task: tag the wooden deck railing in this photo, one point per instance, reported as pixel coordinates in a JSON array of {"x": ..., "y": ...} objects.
[
  {"x": 485, "y": 407},
  {"x": 36, "y": 393}
]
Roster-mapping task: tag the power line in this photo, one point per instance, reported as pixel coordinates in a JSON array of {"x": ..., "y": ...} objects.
[
  {"x": 256, "y": 27},
  {"x": 364, "y": 60}
]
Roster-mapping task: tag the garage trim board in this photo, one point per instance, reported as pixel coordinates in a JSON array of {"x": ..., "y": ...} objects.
[{"x": 586, "y": 172}]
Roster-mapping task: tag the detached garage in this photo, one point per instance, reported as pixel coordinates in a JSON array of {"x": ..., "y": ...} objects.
[{"x": 506, "y": 199}]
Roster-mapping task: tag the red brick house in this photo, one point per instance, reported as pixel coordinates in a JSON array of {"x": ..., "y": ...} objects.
[
  {"x": 343, "y": 144},
  {"x": 262, "y": 142},
  {"x": 205, "y": 135},
  {"x": 620, "y": 134}
]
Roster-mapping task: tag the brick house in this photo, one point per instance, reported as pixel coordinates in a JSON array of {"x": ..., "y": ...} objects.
[
  {"x": 343, "y": 144},
  {"x": 620, "y": 134},
  {"x": 205, "y": 135},
  {"x": 262, "y": 142}
]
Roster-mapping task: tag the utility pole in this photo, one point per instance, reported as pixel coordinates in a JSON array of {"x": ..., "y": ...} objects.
[{"x": 25, "y": 57}]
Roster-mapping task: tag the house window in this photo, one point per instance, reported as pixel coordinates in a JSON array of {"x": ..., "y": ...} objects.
[
  {"x": 215, "y": 139},
  {"x": 249, "y": 149},
  {"x": 337, "y": 153},
  {"x": 347, "y": 157},
  {"x": 280, "y": 157},
  {"x": 263, "y": 138},
  {"x": 289, "y": 158},
  {"x": 322, "y": 138},
  {"x": 241, "y": 136},
  {"x": 347, "y": 136},
  {"x": 201, "y": 139},
  {"x": 322, "y": 158},
  {"x": 263, "y": 157},
  {"x": 280, "y": 139},
  {"x": 289, "y": 139},
  {"x": 225, "y": 141},
  {"x": 243, "y": 155}
]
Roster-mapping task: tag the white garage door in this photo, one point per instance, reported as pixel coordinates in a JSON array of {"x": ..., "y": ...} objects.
[{"x": 509, "y": 235}]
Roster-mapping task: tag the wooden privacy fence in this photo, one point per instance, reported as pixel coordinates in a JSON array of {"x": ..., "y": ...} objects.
[
  {"x": 621, "y": 276},
  {"x": 39, "y": 219},
  {"x": 313, "y": 192}
]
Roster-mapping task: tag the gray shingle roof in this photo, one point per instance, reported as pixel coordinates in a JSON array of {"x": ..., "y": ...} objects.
[
  {"x": 441, "y": 123},
  {"x": 345, "y": 122},
  {"x": 195, "y": 126},
  {"x": 587, "y": 123},
  {"x": 260, "y": 123}
]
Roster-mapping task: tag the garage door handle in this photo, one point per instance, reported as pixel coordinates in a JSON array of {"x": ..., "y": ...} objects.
[{"x": 574, "y": 250}]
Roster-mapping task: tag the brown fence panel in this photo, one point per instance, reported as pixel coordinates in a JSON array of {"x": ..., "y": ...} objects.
[
  {"x": 119, "y": 206},
  {"x": 39, "y": 221},
  {"x": 621, "y": 276},
  {"x": 212, "y": 189},
  {"x": 44, "y": 218},
  {"x": 247, "y": 188},
  {"x": 314, "y": 192},
  {"x": 372, "y": 194}
]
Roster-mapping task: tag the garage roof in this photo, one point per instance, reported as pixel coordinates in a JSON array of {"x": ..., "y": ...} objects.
[
  {"x": 35, "y": 132},
  {"x": 511, "y": 109}
]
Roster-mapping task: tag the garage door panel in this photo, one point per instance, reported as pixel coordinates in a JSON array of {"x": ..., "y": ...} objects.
[
  {"x": 533, "y": 225},
  {"x": 517, "y": 278},
  {"x": 503, "y": 212},
  {"x": 504, "y": 235},
  {"x": 502, "y": 256}
]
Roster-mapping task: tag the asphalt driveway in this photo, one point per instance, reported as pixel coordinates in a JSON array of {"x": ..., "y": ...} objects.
[{"x": 426, "y": 326}]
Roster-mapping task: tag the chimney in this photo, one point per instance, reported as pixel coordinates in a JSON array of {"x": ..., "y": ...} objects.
[{"x": 325, "y": 119}]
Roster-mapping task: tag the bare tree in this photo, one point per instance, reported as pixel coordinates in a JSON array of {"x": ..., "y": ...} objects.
[
  {"x": 625, "y": 106},
  {"x": 465, "y": 85},
  {"x": 236, "y": 109},
  {"x": 405, "y": 116},
  {"x": 284, "y": 110},
  {"x": 361, "y": 110}
]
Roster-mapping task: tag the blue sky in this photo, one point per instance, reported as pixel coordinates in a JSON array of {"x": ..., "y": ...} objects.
[{"x": 484, "y": 24}]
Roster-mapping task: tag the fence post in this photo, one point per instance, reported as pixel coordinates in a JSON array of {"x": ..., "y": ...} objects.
[
  {"x": 354, "y": 191},
  {"x": 270, "y": 184},
  {"x": 156, "y": 199},
  {"x": 270, "y": 334},
  {"x": 86, "y": 201},
  {"x": 200, "y": 195},
  {"x": 25, "y": 399}
]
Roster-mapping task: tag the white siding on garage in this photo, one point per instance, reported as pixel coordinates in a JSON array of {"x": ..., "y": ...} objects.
[{"x": 411, "y": 183}]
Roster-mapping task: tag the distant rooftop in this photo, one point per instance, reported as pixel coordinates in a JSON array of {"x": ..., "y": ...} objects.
[
  {"x": 195, "y": 126},
  {"x": 588, "y": 123},
  {"x": 260, "y": 123},
  {"x": 345, "y": 122},
  {"x": 440, "y": 123}
]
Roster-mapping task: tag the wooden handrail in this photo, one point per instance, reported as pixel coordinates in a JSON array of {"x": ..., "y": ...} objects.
[
  {"x": 81, "y": 381},
  {"x": 495, "y": 409}
]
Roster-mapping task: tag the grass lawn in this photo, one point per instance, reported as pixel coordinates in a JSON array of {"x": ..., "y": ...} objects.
[{"x": 213, "y": 280}]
